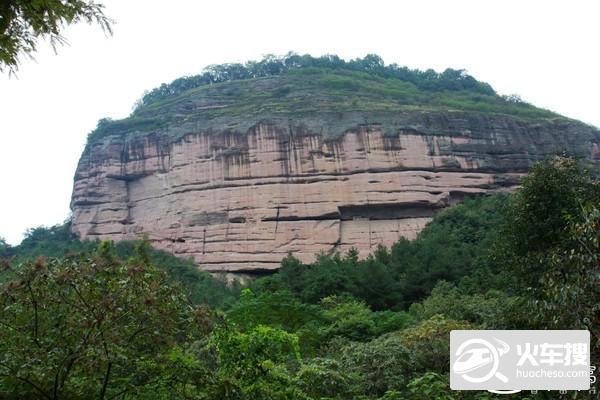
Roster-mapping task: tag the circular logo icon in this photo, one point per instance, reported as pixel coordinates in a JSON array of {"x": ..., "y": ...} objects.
[{"x": 479, "y": 360}]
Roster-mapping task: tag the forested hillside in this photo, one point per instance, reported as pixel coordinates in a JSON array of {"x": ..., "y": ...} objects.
[{"x": 124, "y": 321}]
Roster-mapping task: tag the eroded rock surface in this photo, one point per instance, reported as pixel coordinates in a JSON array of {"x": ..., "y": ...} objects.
[{"x": 241, "y": 201}]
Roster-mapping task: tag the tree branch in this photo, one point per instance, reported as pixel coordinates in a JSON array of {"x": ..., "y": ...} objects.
[
  {"x": 27, "y": 381},
  {"x": 106, "y": 378}
]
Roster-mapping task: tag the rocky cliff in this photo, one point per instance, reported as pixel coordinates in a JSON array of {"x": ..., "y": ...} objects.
[{"x": 240, "y": 196}]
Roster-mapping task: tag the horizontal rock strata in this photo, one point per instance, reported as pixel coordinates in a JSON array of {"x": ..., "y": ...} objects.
[{"x": 241, "y": 202}]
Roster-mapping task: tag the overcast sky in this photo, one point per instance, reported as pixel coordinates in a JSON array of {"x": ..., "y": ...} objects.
[{"x": 545, "y": 51}]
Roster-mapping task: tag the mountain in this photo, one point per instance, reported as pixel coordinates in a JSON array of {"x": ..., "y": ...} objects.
[{"x": 242, "y": 164}]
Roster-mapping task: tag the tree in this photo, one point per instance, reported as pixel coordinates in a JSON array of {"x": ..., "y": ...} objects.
[
  {"x": 380, "y": 365},
  {"x": 489, "y": 309},
  {"x": 4, "y": 248},
  {"x": 56, "y": 241},
  {"x": 277, "y": 309},
  {"x": 550, "y": 200},
  {"x": 552, "y": 245},
  {"x": 449, "y": 248},
  {"x": 281, "y": 310},
  {"x": 24, "y": 22},
  {"x": 430, "y": 386},
  {"x": 88, "y": 327},
  {"x": 252, "y": 365},
  {"x": 325, "y": 378},
  {"x": 429, "y": 343},
  {"x": 569, "y": 292}
]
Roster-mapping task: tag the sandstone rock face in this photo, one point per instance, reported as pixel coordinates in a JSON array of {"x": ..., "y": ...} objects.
[{"x": 241, "y": 201}]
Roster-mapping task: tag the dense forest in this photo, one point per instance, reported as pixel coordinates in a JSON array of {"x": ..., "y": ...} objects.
[{"x": 124, "y": 321}]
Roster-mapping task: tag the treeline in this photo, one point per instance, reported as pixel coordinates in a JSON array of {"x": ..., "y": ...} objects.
[
  {"x": 429, "y": 80},
  {"x": 105, "y": 324}
]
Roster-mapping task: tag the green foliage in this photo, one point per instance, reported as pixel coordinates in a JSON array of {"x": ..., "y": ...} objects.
[
  {"x": 55, "y": 241},
  {"x": 182, "y": 376},
  {"x": 271, "y": 65},
  {"x": 325, "y": 378},
  {"x": 24, "y": 22},
  {"x": 380, "y": 365},
  {"x": 278, "y": 309},
  {"x": 389, "y": 321},
  {"x": 282, "y": 310},
  {"x": 370, "y": 280},
  {"x": 327, "y": 276},
  {"x": 430, "y": 386},
  {"x": 317, "y": 94},
  {"x": 282, "y": 91},
  {"x": 5, "y": 248},
  {"x": 251, "y": 365},
  {"x": 569, "y": 292},
  {"x": 58, "y": 241},
  {"x": 335, "y": 317},
  {"x": 550, "y": 243},
  {"x": 201, "y": 287},
  {"x": 82, "y": 326},
  {"x": 454, "y": 245},
  {"x": 429, "y": 343},
  {"x": 349, "y": 318},
  {"x": 132, "y": 124},
  {"x": 550, "y": 197},
  {"x": 248, "y": 354},
  {"x": 491, "y": 309},
  {"x": 392, "y": 395},
  {"x": 451, "y": 247},
  {"x": 327, "y": 330}
]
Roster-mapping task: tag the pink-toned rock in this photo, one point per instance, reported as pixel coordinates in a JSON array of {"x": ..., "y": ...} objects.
[{"x": 241, "y": 202}]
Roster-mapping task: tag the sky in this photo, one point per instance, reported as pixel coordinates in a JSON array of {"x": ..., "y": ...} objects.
[{"x": 545, "y": 51}]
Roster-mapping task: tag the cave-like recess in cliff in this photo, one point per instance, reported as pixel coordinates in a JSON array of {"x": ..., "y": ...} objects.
[{"x": 242, "y": 164}]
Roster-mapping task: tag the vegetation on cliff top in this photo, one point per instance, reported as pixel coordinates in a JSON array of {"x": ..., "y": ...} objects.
[
  {"x": 314, "y": 91},
  {"x": 271, "y": 65}
]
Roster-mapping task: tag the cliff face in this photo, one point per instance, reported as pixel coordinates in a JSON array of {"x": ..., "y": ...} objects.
[{"x": 241, "y": 201}]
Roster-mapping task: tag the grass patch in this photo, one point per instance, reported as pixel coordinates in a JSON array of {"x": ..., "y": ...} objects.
[{"x": 311, "y": 96}]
